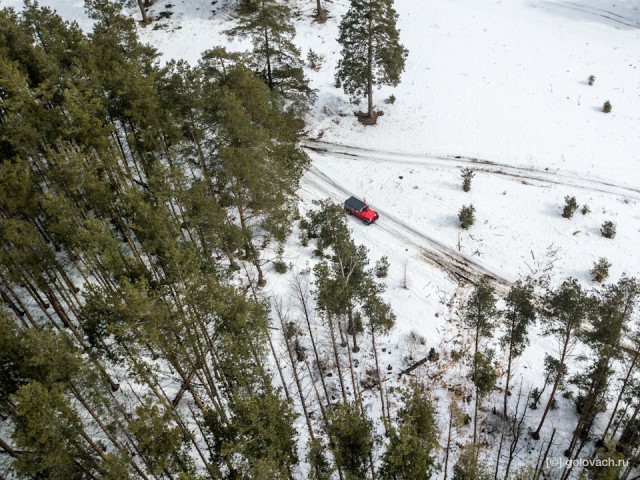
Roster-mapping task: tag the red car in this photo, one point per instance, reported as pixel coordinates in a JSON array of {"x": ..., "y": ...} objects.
[{"x": 360, "y": 210}]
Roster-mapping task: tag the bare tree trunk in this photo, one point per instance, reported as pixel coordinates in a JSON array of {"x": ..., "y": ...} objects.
[
  {"x": 446, "y": 452},
  {"x": 375, "y": 356},
  {"x": 145, "y": 17},
  {"x": 268, "y": 55},
  {"x": 565, "y": 347},
  {"x": 278, "y": 366},
  {"x": 352, "y": 374},
  {"x": 516, "y": 431},
  {"x": 625, "y": 382},
  {"x": 475, "y": 376},
  {"x": 495, "y": 475},
  {"x": 539, "y": 467},
  {"x": 370, "y": 67},
  {"x": 336, "y": 356},
  {"x": 294, "y": 370},
  {"x": 302, "y": 298},
  {"x": 9, "y": 449},
  {"x": 508, "y": 375}
]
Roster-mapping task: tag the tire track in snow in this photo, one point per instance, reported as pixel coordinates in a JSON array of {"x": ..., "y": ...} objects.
[
  {"x": 456, "y": 162},
  {"x": 461, "y": 267},
  {"x": 599, "y": 12}
]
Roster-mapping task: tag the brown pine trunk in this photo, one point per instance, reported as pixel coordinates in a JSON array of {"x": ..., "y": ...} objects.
[
  {"x": 508, "y": 377},
  {"x": 303, "y": 304},
  {"x": 105, "y": 429},
  {"x": 543, "y": 460},
  {"x": 336, "y": 357},
  {"x": 294, "y": 369},
  {"x": 556, "y": 384},
  {"x": 9, "y": 449},
  {"x": 446, "y": 452},
  {"x": 495, "y": 475},
  {"x": 375, "y": 356},
  {"x": 475, "y": 376},
  {"x": 268, "y": 55},
  {"x": 145, "y": 17},
  {"x": 370, "y": 68},
  {"x": 621, "y": 393}
]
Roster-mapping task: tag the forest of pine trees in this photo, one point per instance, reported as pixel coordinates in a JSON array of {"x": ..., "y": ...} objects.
[{"x": 141, "y": 206}]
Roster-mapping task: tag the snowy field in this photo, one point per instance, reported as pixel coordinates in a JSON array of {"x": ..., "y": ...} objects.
[{"x": 497, "y": 86}]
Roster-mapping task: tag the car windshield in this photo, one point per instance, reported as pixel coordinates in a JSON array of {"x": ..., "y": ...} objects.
[{"x": 364, "y": 209}]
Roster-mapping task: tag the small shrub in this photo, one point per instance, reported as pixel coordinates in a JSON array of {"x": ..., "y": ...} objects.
[
  {"x": 600, "y": 270},
  {"x": 338, "y": 83},
  {"x": 467, "y": 174},
  {"x": 568, "y": 394},
  {"x": 280, "y": 266},
  {"x": 608, "y": 229},
  {"x": 382, "y": 267},
  {"x": 570, "y": 207},
  {"x": 535, "y": 398},
  {"x": 606, "y": 108},
  {"x": 592, "y": 79},
  {"x": 314, "y": 60},
  {"x": 416, "y": 339},
  {"x": 466, "y": 216},
  {"x": 391, "y": 100},
  {"x": 585, "y": 209}
]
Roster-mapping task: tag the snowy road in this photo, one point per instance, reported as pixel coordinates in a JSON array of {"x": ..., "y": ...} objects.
[
  {"x": 458, "y": 162},
  {"x": 460, "y": 266}
]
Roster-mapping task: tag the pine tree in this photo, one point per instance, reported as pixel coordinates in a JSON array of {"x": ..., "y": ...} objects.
[
  {"x": 257, "y": 164},
  {"x": 519, "y": 314},
  {"x": 320, "y": 468},
  {"x": 371, "y": 51},
  {"x": 468, "y": 467},
  {"x": 259, "y": 441},
  {"x": 160, "y": 441},
  {"x": 614, "y": 309},
  {"x": 457, "y": 419},
  {"x": 48, "y": 431},
  {"x": 564, "y": 310},
  {"x": 412, "y": 444},
  {"x": 480, "y": 315},
  {"x": 275, "y": 56},
  {"x": 608, "y": 465},
  {"x": 351, "y": 435}
]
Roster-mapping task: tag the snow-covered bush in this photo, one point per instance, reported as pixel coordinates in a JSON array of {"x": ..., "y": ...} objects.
[
  {"x": 280, "y": 266},
  {"x": 570, "y": 206},
  {"x": 606, "y": 108},
  {"x": 600, "y": 270},
  {"x": 466, "y": 216},
  {"x": 382, "y": 267},
  {"x": 467, "y": 174},
  {"x": 608, "y": 229}
]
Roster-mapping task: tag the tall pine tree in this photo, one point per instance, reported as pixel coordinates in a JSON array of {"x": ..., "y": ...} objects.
[
  {"x": 371, "y": 51},
  {"x": 275, "y": 57}
]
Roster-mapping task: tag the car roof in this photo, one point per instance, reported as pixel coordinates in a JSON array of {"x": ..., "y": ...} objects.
[{"x": 353, "y": 202}]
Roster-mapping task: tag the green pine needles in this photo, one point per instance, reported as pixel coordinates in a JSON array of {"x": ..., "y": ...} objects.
[
  {"x": 268, "y": 25},
  {"x": 372, "y": 54}
]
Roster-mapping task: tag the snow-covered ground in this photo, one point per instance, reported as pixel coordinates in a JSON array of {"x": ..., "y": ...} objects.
[{"x": 497, "y": 86}]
